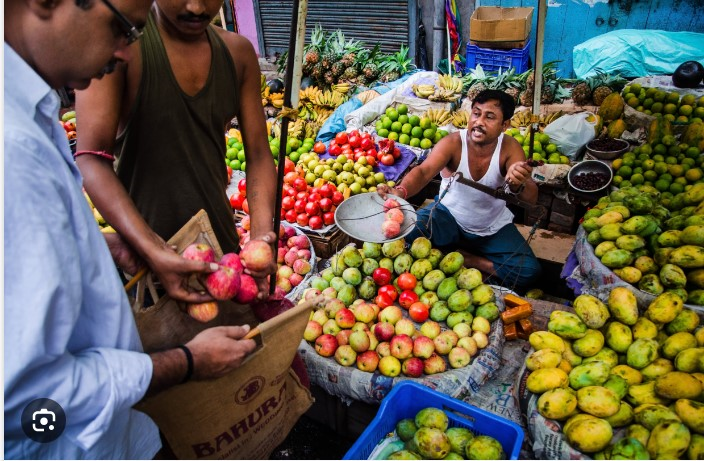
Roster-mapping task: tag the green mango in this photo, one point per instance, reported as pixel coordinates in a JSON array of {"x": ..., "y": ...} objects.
[
  {"x": 687, "y": 320},
  {"x": 668, "y": 440},
  {"x": 687, "y": 256},
  {"x": 641, "y": 353},
  {"x": 566, "y": 325},
  {"x": 591, "y": 310},
  {"x": 664, "y": 308},
  {"x": 672, "y": 276},
  {"x": 610, "y": 231},
  {"x": 651, "y": 284},
  {"x": 629, "y": 448},
  {"x": 623, "y": 305},
  {"x": 589, "y": 374},
  {"x": 589, "y": 344}
]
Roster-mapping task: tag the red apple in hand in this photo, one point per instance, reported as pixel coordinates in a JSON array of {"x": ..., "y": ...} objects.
[
  {"x": 223, "y": 283},
  {"x": 199, "y": 252},
  {"x": 256, "y": 255}
]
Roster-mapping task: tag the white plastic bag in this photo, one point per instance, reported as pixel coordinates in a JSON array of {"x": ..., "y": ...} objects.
[{"x": 571, "y": 133}]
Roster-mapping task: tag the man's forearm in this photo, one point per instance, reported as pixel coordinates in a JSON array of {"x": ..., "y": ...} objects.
[
  {"x": 261, "y": 195},
  {"x": 169, "y": 369},
  {"x": 412, "y": 183}
]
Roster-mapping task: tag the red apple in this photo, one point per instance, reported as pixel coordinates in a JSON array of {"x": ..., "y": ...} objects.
[
  {"x": 401, "y": 346},
  {"x": 391, "y": 314},
  {"x": 326, "y": 345},
  {"x": 434, "y": 364},
  {"x": 343, "y": 337},
  {"x": 381, "y": 276},
  {"x": 236, "y": 201},
  {"x": 329, "y": 218},
  {"x": 290, "y": 216},
  {"x": 315, "y": 222},
  {"x": 287, "y": 203},
  {"x": 300, "y": 184},
  {"x": 345, "y": 318},
  {"x": 313, "y": 331},
  {"x": 368, "y": 361},
  {"x": 407, "y": 298},
  {"x": 337, "y": 197},
  {"x": 223, "y": 283},
  {"x": 384, "y": 331},
  {"x": 248, "y": 289},
  {"x": 459, "y": 357},
  {"x": 423, "y": 347},
  {"x": 412, "y": 367},
  {"x": 359, "y": 340},
  {"x": 232, "y": 260},
  {"x": 203, "y": 312},
  {"x": 256, "y": 255},
  {"x": 199, "y": 252},
  {"x": 390, "y": 229},
  {"x": 325, "y": 204}
]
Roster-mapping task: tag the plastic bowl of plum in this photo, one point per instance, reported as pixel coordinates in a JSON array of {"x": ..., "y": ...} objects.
[{"x": 590, "y": 176}]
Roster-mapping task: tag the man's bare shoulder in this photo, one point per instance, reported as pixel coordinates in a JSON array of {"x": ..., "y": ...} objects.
[{"x": 237, "y": 44}]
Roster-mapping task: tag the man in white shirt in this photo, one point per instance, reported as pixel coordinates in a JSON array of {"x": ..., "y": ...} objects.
[{"x": 69, "y": 332}]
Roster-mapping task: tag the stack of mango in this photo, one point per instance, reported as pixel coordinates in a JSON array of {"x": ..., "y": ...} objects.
[
  {"x": 669, "y": 105},
  {"x": 625, "y": 385},
  {"x": 651, "y": 241}
]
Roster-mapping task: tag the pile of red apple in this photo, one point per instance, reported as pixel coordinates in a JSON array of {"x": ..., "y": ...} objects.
[
  {"x": 302, "y": 204},
  {"x": 293, "y": 255},
  {"x": 355, "y": 145},
  {"x": 383, "y": 336},
  {"x": 229, "y": 281},
  {"x": 391, "y": 227}
]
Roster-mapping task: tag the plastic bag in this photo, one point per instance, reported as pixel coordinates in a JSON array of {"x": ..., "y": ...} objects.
[{"x": 571, "y": 133}]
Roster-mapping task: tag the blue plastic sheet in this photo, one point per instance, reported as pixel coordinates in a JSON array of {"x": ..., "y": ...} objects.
[
  {"x": 336, "y": 122},
  {"x": 637, "y": 53}
]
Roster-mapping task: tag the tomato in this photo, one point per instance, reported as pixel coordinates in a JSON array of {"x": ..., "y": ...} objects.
[
  {"x": 387, "y": 159},
  {"x": 390, "y": 291},
  {"x": 381, "y": 276},
  {"x": 341, "y": 137},
  {"x": 245, "y": 206},
  {"x": 312, "y": 208},
  {"x": 418, "y": 312},
  {"x": 325, "y": 204},
  {"x": 337, "y": 197},
  {"x": 315, "y": 222},
  {"x": 335, "y": 150},
  {"x": 287, "y": 203},
  {"x": 355, "y": 140},
  {"x": 329, "y": 218},
  {"x": 299, "y": 206},
  {"x": 407, "y": 281},
  {"x": 291, "y": 216},
  {"x": 300, "y": 184},
  {"x": 319, "y": 148},
  {"x": 242, "y": 187},
  {"x": 366, "y": 143},
  {"x": 407, "y": 298},
  {"x": 236, "y": 201},
  {"x": 290, "y": 177},
  {"x": 383, "y": 301},
  {"x": 302, "y": 219}
]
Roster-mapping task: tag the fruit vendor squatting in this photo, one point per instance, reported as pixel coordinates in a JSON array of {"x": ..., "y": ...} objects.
[
  {"x": 163, "y": 113},
  {"x": 468, "y": 218},
  {"x": 70, "y": 334}
]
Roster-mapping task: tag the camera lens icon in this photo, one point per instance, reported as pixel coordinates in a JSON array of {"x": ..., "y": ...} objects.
[{"x": 43, "y": 420}]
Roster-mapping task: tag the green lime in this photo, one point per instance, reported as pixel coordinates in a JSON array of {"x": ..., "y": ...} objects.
[
  {"x": 384, "y": 133},
  {"x": 294, "y": 156},
  {"x": 662, "y": 185},
  {"x": 404, "y": 139},
  {"x": 417, "y": 132},
  {"x": 625, "y": 171},
  {"x": 396, "y": 126},
  {"x": 231, "y": 142},
  {"x": 425, "y": 123},
  {"x": 403, "y": 119},
  {"x": 392, "y": 114},
  {"x": 437, "y": 138},
  {"x": 426, "y": 143},
  {"x": 393, "y": 135},
  {"x": 637, "y": 179},
  {"x": 406, "y": 128},
  {"x": 429, "y": 133},
  {"x": 231, "y": 153},
  {"x": 676, "y": 188},
  {"x": 402, "y": 109},
  {"x": 386, "y": 122},
  {"x": 414, "y": 120},
  {"x": 415, "y": 142},
  {"x": 650, "y": 175},
  {"x": 241, "y": 156}
]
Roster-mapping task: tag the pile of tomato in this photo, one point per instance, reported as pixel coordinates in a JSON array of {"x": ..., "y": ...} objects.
[
  {"x": 387, "y": 293},
  {"x": 355, "y": 145}
]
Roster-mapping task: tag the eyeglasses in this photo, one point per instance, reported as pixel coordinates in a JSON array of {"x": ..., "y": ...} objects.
[{"x": 130, "y": 31}]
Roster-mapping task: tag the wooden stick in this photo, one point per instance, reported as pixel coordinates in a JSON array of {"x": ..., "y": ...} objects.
[
  {"x": 252, "y": 333},
  {"x": 136, "y": 278}
]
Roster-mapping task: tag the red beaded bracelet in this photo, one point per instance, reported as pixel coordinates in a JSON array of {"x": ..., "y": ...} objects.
[
  {"x": 405, "y": 191},
  {"x": 99, "y": 153}
]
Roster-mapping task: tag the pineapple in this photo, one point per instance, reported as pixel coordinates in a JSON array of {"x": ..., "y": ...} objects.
[
  {"x": 476, "y": 81},
  {"x": 350, "y": 73},
  {"x": 350, "y": 50},
  {"x": 396, "y": 65},
  {"x": 514, "y": 92},
  {"x": 329, "y": 78},
  {"x": 317, "y": 38},
  {"x": 526, "y": 98},
  {"x": 600, "y": 93},
  {"x": 337, "y": 69},
  {"x": 582, "y": 93},
  {"x": 475, "y": 89},
  {"x": 317, "y": 72}
]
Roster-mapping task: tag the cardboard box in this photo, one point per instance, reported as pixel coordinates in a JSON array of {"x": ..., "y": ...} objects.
[{"x": 496, "y": 24}]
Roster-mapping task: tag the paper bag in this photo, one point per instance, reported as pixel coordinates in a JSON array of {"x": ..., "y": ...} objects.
[{"x": 244, "y": 414}]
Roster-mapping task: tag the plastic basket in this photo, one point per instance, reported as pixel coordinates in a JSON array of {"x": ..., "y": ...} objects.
[
  {"x": 408, "y": 398},
  {"x": 493, "y": 60}
]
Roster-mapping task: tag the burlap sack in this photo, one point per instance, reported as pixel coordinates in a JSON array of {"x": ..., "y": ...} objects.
[{"x": 245, "y": 414}]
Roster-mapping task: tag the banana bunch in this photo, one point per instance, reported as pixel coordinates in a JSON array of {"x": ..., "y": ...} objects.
[
  {"x": 309, "y": 94},
  {"x": 460, "y": 118},
  {"x": 423, "y": 91},
  {"x": 440, "y": 117},
  {"x": 366, "y": 96},
  {"x": 311, "y": 129},
  {"x": 265, "y": 96},
  {"x": 547, "y": 119},
  {"x": 343, "y": 88},
  {"x": 296, "y": 129},
  {"x": 323, "y": 114},
  {"x": 444, "y": 95},
  {"x": 330, "y": 99},
  {"x": 448, "y": 82},
  {"x": 522, "y": 119},
  {"x": 262, "y": 83},
  {"x": 104, "y": 227},
  {"x": 307, "y": 112},
  {"x": 277, "y": 100}
]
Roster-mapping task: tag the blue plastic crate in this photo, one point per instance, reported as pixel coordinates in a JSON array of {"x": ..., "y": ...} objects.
[
  {"x": 493, "y": 60},
  {"x": 407, "y": 398}
]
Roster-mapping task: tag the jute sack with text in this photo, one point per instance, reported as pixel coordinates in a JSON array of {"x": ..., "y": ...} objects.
[{"x": 245, "y": 414}]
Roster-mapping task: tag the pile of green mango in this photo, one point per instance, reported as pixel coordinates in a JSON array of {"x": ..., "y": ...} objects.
[
  {"x": 429, "y": 436},
  {"x": 609, "y": 366},
  {"x": 652, "y": 242}
]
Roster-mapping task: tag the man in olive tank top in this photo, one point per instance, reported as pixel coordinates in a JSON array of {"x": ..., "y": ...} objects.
[
  {"x": 163, "y": 114},
  {"x": 470, "y": 219}
]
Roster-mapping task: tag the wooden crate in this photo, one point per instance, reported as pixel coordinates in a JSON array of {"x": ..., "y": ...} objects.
[{"x": 327, "y": 245}]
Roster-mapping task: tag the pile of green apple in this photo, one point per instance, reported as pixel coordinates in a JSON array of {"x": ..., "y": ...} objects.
[
  {"x": 411, "y": 312},
  {"x": 235, "y": 158},
  {"x": 413, "y": 130},
  {"x": 543, "y": 148},
  {"x": 357, "y": 177}
]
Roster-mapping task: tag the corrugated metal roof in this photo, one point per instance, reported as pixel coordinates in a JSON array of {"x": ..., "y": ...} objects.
[{"x": 371, "y": 21}]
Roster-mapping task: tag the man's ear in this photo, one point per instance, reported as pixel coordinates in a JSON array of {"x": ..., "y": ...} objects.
[{"x": 43, "y": 8}]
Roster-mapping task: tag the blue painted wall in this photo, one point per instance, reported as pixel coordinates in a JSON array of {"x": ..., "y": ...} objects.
[{"x": 571, "y": 22}]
